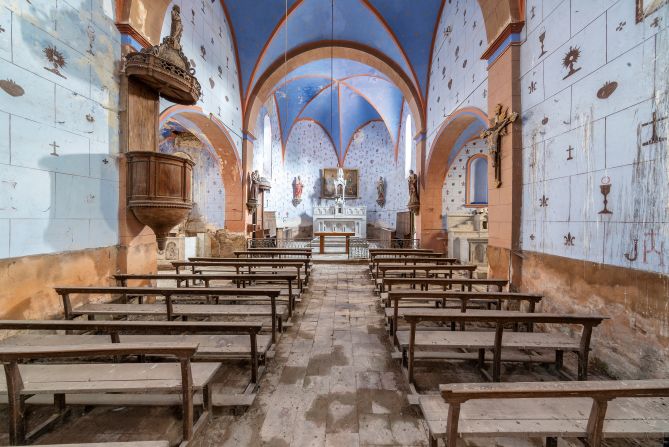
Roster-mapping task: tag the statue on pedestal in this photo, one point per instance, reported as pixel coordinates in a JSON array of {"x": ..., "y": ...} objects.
[
  {"x": 254, "y": 188},
  {"x": 414, "y": 202}
]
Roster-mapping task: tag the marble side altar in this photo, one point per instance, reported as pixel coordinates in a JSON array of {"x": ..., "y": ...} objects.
[{"x": 341, "y": 218}]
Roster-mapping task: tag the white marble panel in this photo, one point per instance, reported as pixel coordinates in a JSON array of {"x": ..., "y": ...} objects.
[
  {"x": 532, "y": 87},
  {"x": 104, "y": 161},
  {"x": 532, "y": 201},
  {"x": 586, "y": 200},
  {"x": 642, "y": 246},
  {"x": 103, "y": 233},
  {"x": 68, "y": 67},
  {"x": 548, "y": 119},
  {"x": 38, "y": 236},
  {"x": 626, "y": 135},
  {"x": 32, "y": 97},
  {"x": 32, "y": 147},
  {"x": 41, "y": 13},
  {"x": 584, "y": 12},
  {"x": 532, "y": 237},
  {"x": 85, "y": 198},
  {"x": 26, "y": 193},
  {"x": 4, "y": 238},
  {"x": 552, "y": 32},
  {"x": 5, "y": 34},
  {"x": 581, "y": 55},
  {"x": 632, "y": 76},
  {"x": 4, "y": 138},
  {"x": 587, "y": 153},
  {"x": 559, "y": 195},
  {"x": 623, "y": 33}
]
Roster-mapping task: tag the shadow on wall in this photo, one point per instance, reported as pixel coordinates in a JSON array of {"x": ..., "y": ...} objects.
[{"x": 83, "y": 212}]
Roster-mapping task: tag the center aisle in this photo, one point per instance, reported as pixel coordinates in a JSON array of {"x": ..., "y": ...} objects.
[{"x": 332, "y": 381}]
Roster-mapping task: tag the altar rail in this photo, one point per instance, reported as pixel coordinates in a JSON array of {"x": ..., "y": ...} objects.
[{"x": 359, "y": 246}]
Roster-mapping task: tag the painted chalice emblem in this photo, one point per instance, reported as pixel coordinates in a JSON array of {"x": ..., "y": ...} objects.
[{"x": 605, "y": 189}]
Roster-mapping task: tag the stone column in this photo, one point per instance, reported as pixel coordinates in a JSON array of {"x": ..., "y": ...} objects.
[{"x": 504, "y": 203}]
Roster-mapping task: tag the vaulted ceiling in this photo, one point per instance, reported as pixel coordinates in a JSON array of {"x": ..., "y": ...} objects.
[
  {"x": 342, "y": 96},
  {"x": 389, "y": 28}
]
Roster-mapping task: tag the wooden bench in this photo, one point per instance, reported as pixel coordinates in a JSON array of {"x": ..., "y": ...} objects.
[
  {"x": 440, "y": 340},
  {"x": 21, "y": 381},
  {"x": 171, "y": 310},
  {"x": 590, "y": 411},
  {"x": 431, "y": 270},
  {"x": 306, "y": 260},
  {"x": 248, "y": 265},
  {"x": 226, "y": 340},
  {"x": 408, "y": 260},
  {"x": 386, "y": 284},
  {"x": 239, "y": 280},
  {"x": 465, "y": 300}
]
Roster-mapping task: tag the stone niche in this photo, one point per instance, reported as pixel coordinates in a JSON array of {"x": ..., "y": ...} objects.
[{"x": 468, "y": 238}]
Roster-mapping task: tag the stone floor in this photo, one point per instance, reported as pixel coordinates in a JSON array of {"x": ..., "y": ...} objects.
[{"x": 332, "y": 381}]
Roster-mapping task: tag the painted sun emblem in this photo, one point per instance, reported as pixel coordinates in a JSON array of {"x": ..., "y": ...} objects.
[
  {"x": 570, "y": 60},
  {"x": 57, "y": 60}
]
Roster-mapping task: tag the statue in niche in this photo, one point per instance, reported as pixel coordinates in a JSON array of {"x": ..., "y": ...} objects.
[
  {"x": 298, "y": 187},
  {"x": 177, "y": 28},
  {"x": 381, "y": 192},
  {"x": 414, "y": 203}
]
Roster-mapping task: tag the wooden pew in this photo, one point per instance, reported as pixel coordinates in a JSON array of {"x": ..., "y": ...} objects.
[
  {"x": 239, "y": 280},
  {"x": 306, "y": 260},
  {"x": 273, "y": 253},
  {"x": 590, "y": 411},
  {"x": 428, "y": 269},
  {"x": 225, "y": 343},
  {"x": 248, "y": 265},
  {"x": 464, "y": 301},
  {"x": 386, "y": 284},
  {"x": 171, "y": 310},
  {"x": 495, "y": 341},
  {"x": 399, "y": 251},
  {"x": 22, "y": 381},
  {"x": 408, "y": 260}
]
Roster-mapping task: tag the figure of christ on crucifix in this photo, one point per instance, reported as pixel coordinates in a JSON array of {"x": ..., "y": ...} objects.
[{"x": 494, "y": 136}]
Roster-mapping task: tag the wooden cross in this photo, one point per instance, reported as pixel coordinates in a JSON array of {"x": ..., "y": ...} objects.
[{"x": 494, "y": 135}]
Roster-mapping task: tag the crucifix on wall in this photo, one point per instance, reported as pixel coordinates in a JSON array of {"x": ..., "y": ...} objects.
[{"x": 494, "y": 136}]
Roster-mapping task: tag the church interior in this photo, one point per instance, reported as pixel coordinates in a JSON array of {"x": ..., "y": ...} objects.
[{"x": 334, "y": 223}]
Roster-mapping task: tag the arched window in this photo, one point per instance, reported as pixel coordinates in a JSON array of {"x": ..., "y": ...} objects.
[
  {"x": 477, "y": 181},
  {"x": 408, "y": 145},
  {"x": 266, "y": 164}
]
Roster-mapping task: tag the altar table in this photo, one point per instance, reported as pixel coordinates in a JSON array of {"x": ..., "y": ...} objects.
[{"x": 322, "y": 234}]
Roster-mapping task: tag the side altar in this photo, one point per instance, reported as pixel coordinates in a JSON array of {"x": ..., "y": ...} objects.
[{"x": 341, "y": 218}]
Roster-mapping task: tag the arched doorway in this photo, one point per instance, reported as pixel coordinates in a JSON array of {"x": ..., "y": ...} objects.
[
  {"x": 213, "y": 137},
  {"x": 461, "y": 127}
]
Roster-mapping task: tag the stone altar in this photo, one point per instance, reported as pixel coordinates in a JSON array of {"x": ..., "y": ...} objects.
[{"x": 341, "y": 218}]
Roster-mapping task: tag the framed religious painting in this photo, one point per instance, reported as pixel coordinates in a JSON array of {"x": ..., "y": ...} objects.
[{"x": 329, "y": 189}]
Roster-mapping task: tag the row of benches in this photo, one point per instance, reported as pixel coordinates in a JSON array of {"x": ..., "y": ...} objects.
[
  {"x": 637, "y": 409},
  {"x": 198, "y": 347}
]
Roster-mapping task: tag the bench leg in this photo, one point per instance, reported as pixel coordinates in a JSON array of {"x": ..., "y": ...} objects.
[
  {"x": 559, "y": 360},
  {"x": 551, "y": 442},
  {"x": 434, "y": 442},
  {"x": 16, "y": 403}
]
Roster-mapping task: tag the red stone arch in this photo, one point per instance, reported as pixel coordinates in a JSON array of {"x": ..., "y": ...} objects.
[
  {"x": 213, "y": 133},
  {"x": 435, "y": 173}
]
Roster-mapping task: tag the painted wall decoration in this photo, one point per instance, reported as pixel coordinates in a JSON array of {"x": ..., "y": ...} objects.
[
  {"x": 454, "y": 191},
  {"x": 208, "y": 187},
  {"x": 207, "y": 42},
  {"x": 595, "y": 132},
  {"x": 59, "y": 94},
  {"x": 458, "y": 76}
]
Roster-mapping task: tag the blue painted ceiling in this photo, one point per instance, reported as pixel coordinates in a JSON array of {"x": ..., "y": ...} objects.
[
  {"x": 402, "y": 30},
  {"x": 340, "y": 95}
]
